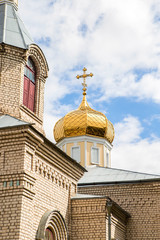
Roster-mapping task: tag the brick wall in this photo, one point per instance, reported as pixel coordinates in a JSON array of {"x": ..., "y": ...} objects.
[
  {"x": 89, "y": 219},
  {"x": 36, "y": 177},
  {"x": 141, "y": 200},
  {"x": 10, "y": 82},
  {"x": 12, "y": 62}
]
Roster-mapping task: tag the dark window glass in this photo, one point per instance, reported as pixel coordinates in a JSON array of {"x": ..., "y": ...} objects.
[
  {"x": 29, "y": 85},
  {"x": 11, "y": 183},
  {"x": 18, "y": 183},
  {"x": 5, "y": 184}
]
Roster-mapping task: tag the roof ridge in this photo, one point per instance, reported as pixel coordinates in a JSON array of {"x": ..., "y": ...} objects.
[
  {"x": 13, "y": 32},
  {"x": 4, "y": 24},
  {"x": 125, "y": 170},
  {"x": 17, "y": 20}
]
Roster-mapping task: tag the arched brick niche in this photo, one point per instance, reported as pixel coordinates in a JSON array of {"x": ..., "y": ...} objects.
[{"x": 53, "y": 223}]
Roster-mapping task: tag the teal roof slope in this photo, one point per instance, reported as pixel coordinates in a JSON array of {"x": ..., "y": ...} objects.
[
  {"x": 8, "y": 121},
  {"x": 12, "y": 29},
  {"x": 100, "y": 175}
]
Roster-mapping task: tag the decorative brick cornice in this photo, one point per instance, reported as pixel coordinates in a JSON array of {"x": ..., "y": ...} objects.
[{"x": 48, "y": 172}]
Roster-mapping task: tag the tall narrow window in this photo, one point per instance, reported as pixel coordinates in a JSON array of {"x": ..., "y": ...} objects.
[
  {"x": 95, "y": 155},
  {"x": 107, "y": 159},
  {"x": 29, "y": 85},
  {"x": 76, "y": 153}
]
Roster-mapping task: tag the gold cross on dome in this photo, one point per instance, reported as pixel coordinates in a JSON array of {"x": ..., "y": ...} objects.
[{"x": 84, "y": 79}]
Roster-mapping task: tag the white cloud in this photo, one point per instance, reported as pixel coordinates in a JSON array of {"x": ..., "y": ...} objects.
[
  {"x": 119, "y": 37},
  {"x": 132, "y": 152},
  {"x": 49, "y": 122},
  {"x": 111, "y": 38},
  {"x": 128, "y": 131},
  {"x": 148, "y": 87}
]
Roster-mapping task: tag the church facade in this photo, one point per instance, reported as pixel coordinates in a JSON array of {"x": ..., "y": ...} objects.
[{"x": 66, "y": 191}]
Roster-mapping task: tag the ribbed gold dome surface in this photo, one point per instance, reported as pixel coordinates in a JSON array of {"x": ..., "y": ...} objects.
[{"x": 84, "y": 121}]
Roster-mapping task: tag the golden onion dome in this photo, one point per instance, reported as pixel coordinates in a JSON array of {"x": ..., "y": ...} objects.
[{"x": 84, "y": 121}]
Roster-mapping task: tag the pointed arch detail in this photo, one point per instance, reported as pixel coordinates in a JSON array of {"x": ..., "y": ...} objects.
[{"x": 54, "y": 221}]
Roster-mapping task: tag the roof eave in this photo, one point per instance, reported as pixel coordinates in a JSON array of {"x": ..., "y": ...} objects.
[{"x": 117, "y": 182}]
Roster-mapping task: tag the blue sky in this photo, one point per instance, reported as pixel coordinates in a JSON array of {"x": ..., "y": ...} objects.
[{"x": 119, "y": 42}]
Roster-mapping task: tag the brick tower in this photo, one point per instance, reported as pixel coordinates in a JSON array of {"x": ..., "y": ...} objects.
[
  {"x": 23, "y": 69},
  {"x": 36, "y": 178}
]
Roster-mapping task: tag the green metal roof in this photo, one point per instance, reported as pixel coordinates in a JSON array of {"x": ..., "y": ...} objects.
[{"x": 12, "y": 29}]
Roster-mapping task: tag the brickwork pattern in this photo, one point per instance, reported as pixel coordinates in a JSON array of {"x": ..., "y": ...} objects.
[
  {"x": 12, "y": 62},
  {"x": 10, "y": 84},
  {"x": 34, "y": 179},
  {"x": 118, "y": 229},
  {"x": 141, "y": 200},
  {"x": 89, "y": 219}
]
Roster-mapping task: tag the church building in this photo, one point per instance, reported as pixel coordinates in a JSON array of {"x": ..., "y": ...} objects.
[{"x": 67, "y": 190}]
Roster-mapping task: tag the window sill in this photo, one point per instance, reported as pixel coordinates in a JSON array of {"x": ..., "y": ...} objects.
[
  {"x": 30, "y": 113},
  {"x": 94, "y": 163}
]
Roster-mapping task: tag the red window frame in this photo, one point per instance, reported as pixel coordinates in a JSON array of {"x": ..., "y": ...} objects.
[{"x": 29, "y": 85}]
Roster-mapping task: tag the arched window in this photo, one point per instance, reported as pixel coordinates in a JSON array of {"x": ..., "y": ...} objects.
[
  {"x": 29, "y": 85},
  {"x": 49, "y": 235}
]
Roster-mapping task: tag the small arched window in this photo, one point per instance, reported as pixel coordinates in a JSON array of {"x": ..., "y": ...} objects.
[
  {"x": 49, "y": 235},
  {"x": 29, "y": 85}
]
